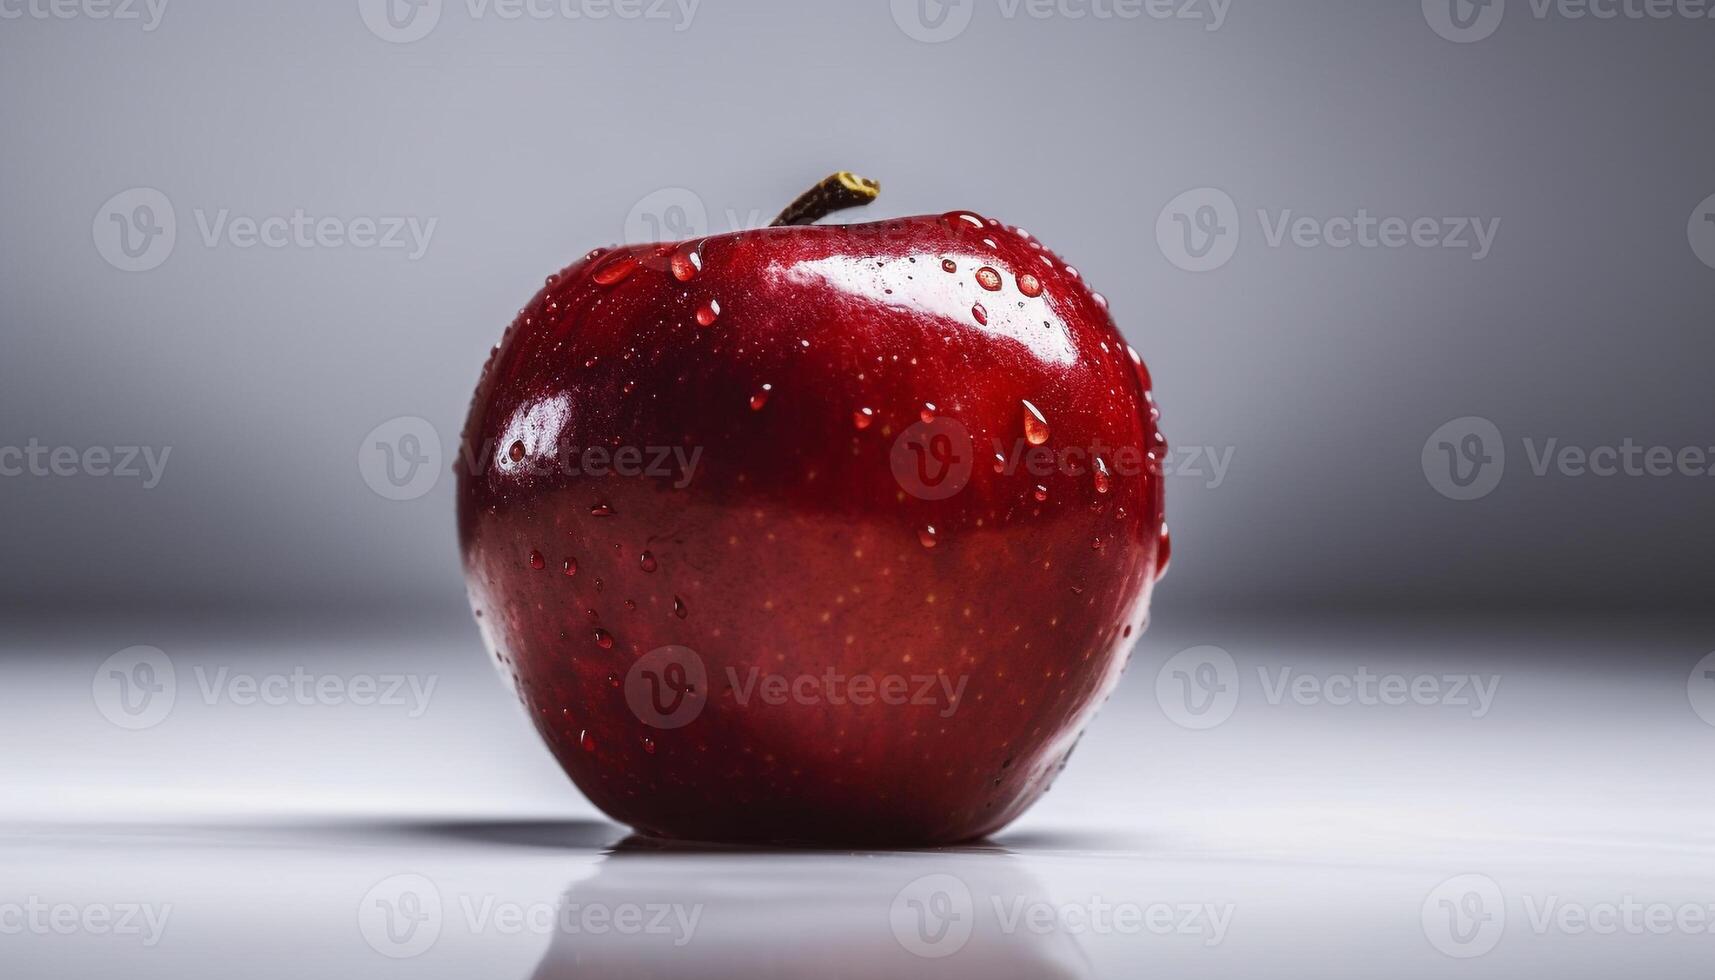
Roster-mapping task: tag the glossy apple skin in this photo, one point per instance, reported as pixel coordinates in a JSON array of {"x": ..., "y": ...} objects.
[{"x": 792, "y": 547}]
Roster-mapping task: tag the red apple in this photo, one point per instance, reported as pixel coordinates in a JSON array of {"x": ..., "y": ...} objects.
[{"x": 814, "y": 534}]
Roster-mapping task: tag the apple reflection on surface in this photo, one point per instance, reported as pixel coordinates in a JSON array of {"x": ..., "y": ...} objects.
[{"x": 652, "y": 910}]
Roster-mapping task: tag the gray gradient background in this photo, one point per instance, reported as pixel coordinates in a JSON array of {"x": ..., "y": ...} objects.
[{"x": 1322, "y": 370}]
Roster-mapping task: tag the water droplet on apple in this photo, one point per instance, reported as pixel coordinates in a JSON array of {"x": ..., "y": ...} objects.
[
  {"x": 516, "y": 453},
  {"x": 758, "y": 400},
  {"x": 679, "y": 609},
  {"x": 863, "y": 418},
  {"x": 570, "y": 567},
  {"x": 708, "y": 313},
  {"x": 1163, "y": 552},
  {"x": 603, "y": 639},
  {"x": 648, "y": 745},
  {"x": 686, "y": 262},
  {"x": 647, "y": 561},
  {"x": 988, "y": 279},
  {"x": 927, "y": 536},
  {"x": 1104, "y": 481},
  {"x": 1035, "y": 425},
  {"x": 1041, "y": 493},
  {"x": 927, "y": 414},
  {"x": 537, "y": 561},
  {"x": 1029, "y": 285},
  {"x": 963, "y": 218},
  {"x": 586, "y": 740},
  {"x": 601, "y": 510},
  {"x": 980, "y": 314},
  {"x": 614, "y": 270},
  {"x": 948, "y": 265},
  {"x": 999, "y": 463},
  {"x": 1101, "y": 301}
]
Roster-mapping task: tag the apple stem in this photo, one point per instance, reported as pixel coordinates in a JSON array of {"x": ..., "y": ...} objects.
[{"x": 842, "y": 190}]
